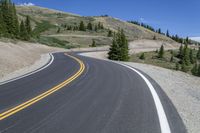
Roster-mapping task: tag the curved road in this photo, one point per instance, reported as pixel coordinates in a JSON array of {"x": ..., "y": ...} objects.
[{"x": 104, "y": 98}]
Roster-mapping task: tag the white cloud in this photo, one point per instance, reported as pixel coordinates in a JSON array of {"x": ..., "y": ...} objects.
[
  {"x": 195, "y": 39},
  {"x": 27, "y": 4}
]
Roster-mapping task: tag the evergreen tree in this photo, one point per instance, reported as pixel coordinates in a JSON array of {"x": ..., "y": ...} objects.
[
  {"x": 167, "y": 34},
  {"x": 93, "y": 43},
  {"x": 172, "y": 58},
  {"x": 2, "y": 26},
  {"x": 183, "y": 67},
  {"x": 186, "y": 55},
  {"x": 181, "y": 52},
  {"x": 177, "y": 66},
  {"x": 96, "y": 28},
  {"x": 82, "y": 26},
  {"x": 119, "y": 48},
  {"x": 9, "y": 19},
  {"x": 110, "y": 34},
  {"x": 23, "y": 32},
  {"x": 123, "y": 44},
  {"x": 28, "y": 25},
  {"x": 161, "y": 52},
  {"x": 89, "y": 26},
  {"x": 114, "y": 50},
  {"x": 58, "y": 31},
  {"x": 99, "y": 25},
  {"x": 154, "y": 37},
  {"x": 15, "y": 21},
  {"x": 191, "y": 57},
  {"x": 198, "y": 74},
  {"x": 195, "y": 70},
  {"x": 159, "y": 31},
  {"x": 142, "y": 56},
  {"x": 198, "y": 54}
]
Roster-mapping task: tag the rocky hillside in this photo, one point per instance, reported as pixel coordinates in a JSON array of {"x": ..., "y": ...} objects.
[{"x": 47, "y": 22}]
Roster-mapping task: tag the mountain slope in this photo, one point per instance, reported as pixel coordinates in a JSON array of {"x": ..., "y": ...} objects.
[{"x": 52, "y": 20}]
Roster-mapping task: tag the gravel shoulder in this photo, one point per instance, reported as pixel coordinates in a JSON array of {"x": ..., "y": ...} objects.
[{"x": 183, "y": 90}]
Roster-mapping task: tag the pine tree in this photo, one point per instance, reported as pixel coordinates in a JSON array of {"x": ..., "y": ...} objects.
[
  {"x": 93, "y": 43},
  {"x": 161, "y": 52},
  {"x": 2, "y": 26},
  {"x": 198, "y": 54},
  {"x": 119, "y": 49},
  {"x": 177, "y": 66},
  {"x": 58, "y": 31},
  {"x": 198, "y": 74},
  {"x": 123, "y": 44},
  {"x": 82, "y": 26},
  {"x": 195, "y": 70},
  {"x": 142, "y": 56},
  {"x": 110, "y": 34},
  {"x": 28, "y": 25},
  {"x": 167, "y": 34},
  {"x": 172, "y": 58},
  {"x": 183, "y": 67},
  {"x": 89, "y": 26},
  {"x": 191, "y": 57},
  {"x": 99, "y": 25},
  {"x": 159, "y": 31},
  {"x": 96, "y": 28},
  {"x": 114, "y": 50},
  {"x": 23, "y": 32},
  {"x": 181, "y": 52},
  {"x": 15, "y": 21},
  {"x": 9, "y": 18},
  {"x": 154, "y": 37},
  {"x": 186, "y": 55}
]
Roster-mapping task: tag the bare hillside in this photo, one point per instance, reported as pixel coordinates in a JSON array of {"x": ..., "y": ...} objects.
[{"x": 53, "y": 20}]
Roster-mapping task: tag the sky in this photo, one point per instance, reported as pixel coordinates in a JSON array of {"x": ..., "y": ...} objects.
[{"x": 180, "y": 17}]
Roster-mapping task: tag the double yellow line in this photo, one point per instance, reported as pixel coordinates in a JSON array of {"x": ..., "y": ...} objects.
[{"x": 45, "y": 94}]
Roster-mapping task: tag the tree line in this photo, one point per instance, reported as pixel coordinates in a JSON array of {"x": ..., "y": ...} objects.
[
  {"x": 159, "y": 31},
  {"x": 185, "y": 59},
  {"x": 9, "y": 24},
  {"x": 83, "y": 27}
]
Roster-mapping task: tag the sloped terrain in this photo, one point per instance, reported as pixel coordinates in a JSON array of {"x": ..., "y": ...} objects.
[{"x": 47, "y": 22}]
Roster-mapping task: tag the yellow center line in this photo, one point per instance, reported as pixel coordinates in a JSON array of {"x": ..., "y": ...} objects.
[{"x": 45, "y": 94}]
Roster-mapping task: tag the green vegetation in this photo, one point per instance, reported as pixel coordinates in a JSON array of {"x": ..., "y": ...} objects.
[
  {"x": 110, "y": 33},
  {"x": 9, "y": 23},
  {"x": 161, "y": 52},
  {"x": 93, "y": 43},
  {"x": 142, "y": 56},
  {"x": 119, "y": 48},
  {"x": 42, "y": 27},
  {"x": 51, "y": 41},
  {"x": 185, "y": 59}
]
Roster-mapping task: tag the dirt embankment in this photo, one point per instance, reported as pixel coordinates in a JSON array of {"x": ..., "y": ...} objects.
[{"x": 15, "y": 57}]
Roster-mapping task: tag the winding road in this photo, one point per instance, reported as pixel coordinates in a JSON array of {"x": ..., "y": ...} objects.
[{"x": 77, "y": 94}]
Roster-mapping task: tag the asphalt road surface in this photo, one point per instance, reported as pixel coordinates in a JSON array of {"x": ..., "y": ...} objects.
[{"x": 97, "y": 97}]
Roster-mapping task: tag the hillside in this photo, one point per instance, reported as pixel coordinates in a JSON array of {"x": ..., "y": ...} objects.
[{"x": 47, "y": 22}]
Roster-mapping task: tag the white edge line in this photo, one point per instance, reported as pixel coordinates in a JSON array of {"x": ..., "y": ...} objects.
[
  {"x": 30, "y": 73},
  {"x": 164, "y": 124}
]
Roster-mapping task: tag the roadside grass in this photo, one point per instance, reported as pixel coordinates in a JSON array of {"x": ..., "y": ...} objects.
[
  {"x": 166, "y": 62},
  {"x": 54, "y": 42}
]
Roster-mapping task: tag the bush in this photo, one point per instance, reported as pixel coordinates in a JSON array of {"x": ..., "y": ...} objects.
[{"x": 142, "y": 56}]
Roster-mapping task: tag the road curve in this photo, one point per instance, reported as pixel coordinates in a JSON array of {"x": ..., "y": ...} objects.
[{"x": 104, "y": 98}]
